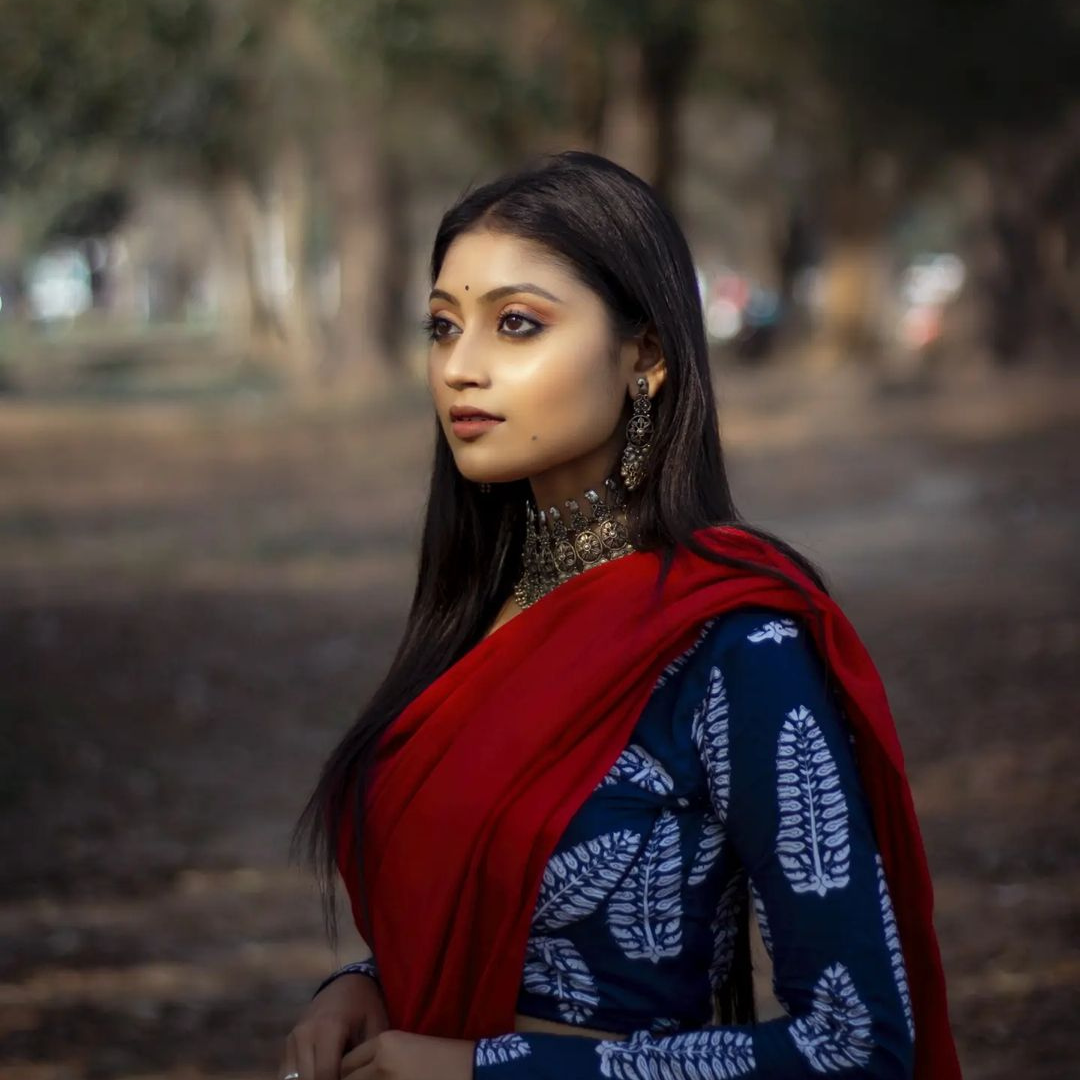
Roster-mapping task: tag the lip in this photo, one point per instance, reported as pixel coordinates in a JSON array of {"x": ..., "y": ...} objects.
[
  {"x": 466, "y": 429},
  {"x": 468, "y": 412}
]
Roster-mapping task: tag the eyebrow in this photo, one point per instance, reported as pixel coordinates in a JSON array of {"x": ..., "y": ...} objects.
[{"x": 497, "y": 293}]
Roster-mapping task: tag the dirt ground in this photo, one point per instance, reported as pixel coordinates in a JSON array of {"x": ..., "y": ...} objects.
[{"x": 195, "y": 596}]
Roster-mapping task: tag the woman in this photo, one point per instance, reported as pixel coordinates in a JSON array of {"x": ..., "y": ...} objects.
[{"x": 619, "y": 716}]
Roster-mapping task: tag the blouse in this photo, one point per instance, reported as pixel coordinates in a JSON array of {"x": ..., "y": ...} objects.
[{"x": 738, "y": 784}]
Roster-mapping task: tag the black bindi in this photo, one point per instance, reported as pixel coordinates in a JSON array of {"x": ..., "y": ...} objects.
[{"x": 466, "y": 288}]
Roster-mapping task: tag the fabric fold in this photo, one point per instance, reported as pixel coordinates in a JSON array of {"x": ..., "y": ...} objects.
[{"x": 478, "y": 777}]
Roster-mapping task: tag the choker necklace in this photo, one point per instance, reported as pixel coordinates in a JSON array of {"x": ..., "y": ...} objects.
[{"x": 555, "y": 551}]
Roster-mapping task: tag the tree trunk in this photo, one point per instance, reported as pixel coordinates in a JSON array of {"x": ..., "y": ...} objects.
[
  {"x": 357, "y": 360},
  {"x": 295, "y": 305},
  {"x": 248, "y": 325},
  {"x": 394, "y": 281},
  {"x": 667, "y": 56},
  {"x": 629, "y": 135},
  {"x": 855, "y": 268},
  {"x": 1033, "y": 284}
]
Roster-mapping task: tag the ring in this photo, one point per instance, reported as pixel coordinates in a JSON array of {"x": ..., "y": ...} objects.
[{"x": 291, "y": 1076}]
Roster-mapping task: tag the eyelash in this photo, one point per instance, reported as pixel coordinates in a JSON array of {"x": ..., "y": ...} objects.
[{"x": 429, "y": 323}]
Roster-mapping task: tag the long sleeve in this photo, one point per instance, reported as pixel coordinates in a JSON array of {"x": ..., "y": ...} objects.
[
  {"x": 356, "y": 967},
  {"x": 784, "y": 784}
]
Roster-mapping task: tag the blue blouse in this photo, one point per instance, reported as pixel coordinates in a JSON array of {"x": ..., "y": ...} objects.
[{"x": 739, "y": 782}]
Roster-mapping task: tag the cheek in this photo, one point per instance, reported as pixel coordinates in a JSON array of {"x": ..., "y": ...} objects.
[
  {"x": 565, "y": 416},
  {"x": 573, "y": 379},
  {"x": 436, "y": 385}
]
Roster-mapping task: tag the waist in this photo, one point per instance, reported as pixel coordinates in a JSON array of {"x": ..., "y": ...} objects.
[{"x": 552, "y": 1027}]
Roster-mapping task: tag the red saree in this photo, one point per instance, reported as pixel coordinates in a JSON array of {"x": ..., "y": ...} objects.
[{"x": 478, "y": 777}]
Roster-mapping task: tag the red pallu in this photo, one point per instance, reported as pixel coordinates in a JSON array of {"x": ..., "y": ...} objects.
[{"x": 478, "y": 777}]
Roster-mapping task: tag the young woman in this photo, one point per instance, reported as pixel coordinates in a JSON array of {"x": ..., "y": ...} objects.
[{"x": 619, "y": 717}]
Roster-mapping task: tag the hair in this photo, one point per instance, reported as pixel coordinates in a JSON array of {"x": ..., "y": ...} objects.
[{"x": 611, "y": 230}]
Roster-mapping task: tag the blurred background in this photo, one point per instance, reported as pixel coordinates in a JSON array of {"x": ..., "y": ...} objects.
[{"x": 215, "y": 220}]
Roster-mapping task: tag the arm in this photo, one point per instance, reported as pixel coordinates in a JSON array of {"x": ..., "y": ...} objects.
[
  {"x": 342, "y": 1013},
  {"x": 357, "y": 967},
  {"x": 800, "y": 823},
  {"x": 782, "y": 776}
]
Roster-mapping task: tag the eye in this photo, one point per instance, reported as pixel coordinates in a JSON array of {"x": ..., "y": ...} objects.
[
  {"x": 536, "y": 325},
  {"x": 434, "y": 327}
]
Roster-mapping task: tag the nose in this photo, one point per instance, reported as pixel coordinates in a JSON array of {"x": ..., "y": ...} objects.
[{"x": 463, "y": 364}]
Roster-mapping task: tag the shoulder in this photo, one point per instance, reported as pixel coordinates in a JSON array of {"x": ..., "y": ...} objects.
[
  {"x": 761, "y": 654},
  {"x": 756, "y": 655},
  {"x": 753, "y": 631},
  {"x": 735, "y": 632}
]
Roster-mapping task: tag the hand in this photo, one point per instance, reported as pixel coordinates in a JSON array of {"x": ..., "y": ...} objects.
[
  {"x": 401, "y": 1055},
  {"x": 343, "y": 1014}
]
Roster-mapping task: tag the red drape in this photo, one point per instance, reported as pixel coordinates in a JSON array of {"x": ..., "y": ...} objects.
[{"x": 478, "y": 777}]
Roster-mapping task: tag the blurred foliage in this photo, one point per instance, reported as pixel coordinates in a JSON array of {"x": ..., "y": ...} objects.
[
  {"x": 960, "y": 68},
  {"x": 337, "y": 106},
  {"x": 211, "y": 80}
]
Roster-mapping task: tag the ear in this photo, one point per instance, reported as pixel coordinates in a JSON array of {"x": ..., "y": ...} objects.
[{"x": 644, "y": 355}]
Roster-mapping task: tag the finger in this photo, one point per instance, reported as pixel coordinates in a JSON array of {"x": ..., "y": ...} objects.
[
  {"x": 288, "y": 1065},
  {"x": 364, "y": 1072},
  {"x": 305, "y": 1058},
  {"x": 367, "y": 1072},
  {"x": 377, "y": 1022},
  {"x": 358, "y": 1056},
  {"x": 328, "y": 1054}
]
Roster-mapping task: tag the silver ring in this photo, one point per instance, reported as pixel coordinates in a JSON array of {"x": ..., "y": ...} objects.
[{"x": 291, "y": 1076}]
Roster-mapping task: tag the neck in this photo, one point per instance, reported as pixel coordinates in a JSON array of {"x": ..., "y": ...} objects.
[
  {"x": 563, "y": 540},
  {"x": 570, "y": 481}
]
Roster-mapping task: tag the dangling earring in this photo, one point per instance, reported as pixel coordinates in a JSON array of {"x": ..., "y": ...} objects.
[
  {"x": 485, "y": 487},
  {"x": 638, "y": 433}
]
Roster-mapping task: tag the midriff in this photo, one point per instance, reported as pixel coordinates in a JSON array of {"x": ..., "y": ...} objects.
[{"x": 553, "y": 1027}]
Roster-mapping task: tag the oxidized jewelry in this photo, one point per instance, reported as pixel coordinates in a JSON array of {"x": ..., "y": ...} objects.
[
  {"x": 639, "y": 431},
  {"x": 554, "y": 551}
]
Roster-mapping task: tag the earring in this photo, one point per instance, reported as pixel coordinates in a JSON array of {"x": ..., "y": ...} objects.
[
  {"x": 485, "y": 487},
  {"x": 638, "y": 433}
]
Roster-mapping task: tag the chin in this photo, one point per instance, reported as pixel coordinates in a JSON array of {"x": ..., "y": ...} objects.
[{"x": 501, "y": 477}]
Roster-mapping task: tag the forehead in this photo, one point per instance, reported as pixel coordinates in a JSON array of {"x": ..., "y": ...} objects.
[{"x": 482, "y": 258}]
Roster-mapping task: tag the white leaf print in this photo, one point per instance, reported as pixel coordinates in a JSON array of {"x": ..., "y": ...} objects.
[
  {"x": 640, "y": 767},
  {"x": 645, "y": 914},
  {"x": 705, "y": 1054},
  {"x": 812, "y": 841},
  {"x": 554, "y": 968},
  {"x": 708, "y": 849},
  {"x": 681, "y": 659},
  {"x": 776, "y": 631},
  {"x": 709, "y": 732},
  {"x": 577, "y": 881},
  {"x": 835, "y": 1034},
  {"x": 665, "y": 1025},
  {"x": 892, "y": 939},
  {"x": 722, "y": 927},
  {"x": 496, "y": 1049}
]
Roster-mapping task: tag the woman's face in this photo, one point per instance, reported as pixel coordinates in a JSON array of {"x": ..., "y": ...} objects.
[{"x": 517, "y": 335}]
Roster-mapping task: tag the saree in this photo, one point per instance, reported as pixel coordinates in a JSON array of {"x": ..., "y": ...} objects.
[{"x": 475, "y": 781}]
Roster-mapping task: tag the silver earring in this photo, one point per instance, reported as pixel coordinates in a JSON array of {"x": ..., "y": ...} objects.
[{"x": 639, "y": 431}]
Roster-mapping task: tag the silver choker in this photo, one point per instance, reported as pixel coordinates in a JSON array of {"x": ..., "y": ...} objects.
[{"x": 555, "y": 551}]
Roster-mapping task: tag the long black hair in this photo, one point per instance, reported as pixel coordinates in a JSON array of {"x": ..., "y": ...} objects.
[{"x": 610, "y": 229}]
